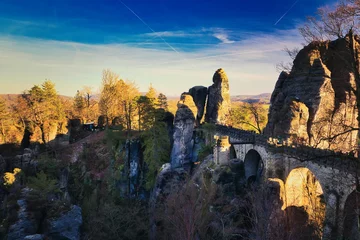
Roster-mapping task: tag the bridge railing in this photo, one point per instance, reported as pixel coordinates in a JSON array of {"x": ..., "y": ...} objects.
[{"x": 325, "y": 157}]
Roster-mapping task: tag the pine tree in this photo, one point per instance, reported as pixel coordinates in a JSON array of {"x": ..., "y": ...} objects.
[
  {"x": 44, "y": 107},
  {"x": 162, "y": 101},
  {"x": 151, "y": 94},
  {"x": 157, "y": 151},
  {"x": 79, "y": 103}
]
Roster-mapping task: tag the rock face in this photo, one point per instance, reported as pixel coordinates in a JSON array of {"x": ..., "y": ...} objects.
[
  {"x": 134, "y": 149},
  {"x": 314, "y": 102},
  {"x": 218, "y": 104},
  {"x": 184, "y": 121},
  {"x": 66, "y": 226},
  {"x": 24, "y": 225},
  {"x": 199, "y": 94}
]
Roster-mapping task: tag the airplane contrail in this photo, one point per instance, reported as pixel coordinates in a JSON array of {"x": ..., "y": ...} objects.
[
  {"x": 147, "y": 25},
  {"x": 216, "y": 55},
  {"x": 286, "y": 12}
]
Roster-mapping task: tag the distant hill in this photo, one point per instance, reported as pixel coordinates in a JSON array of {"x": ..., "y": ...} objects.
[
  {"x": 261, "y": 98},
  {"x": 11, "y": 98}
]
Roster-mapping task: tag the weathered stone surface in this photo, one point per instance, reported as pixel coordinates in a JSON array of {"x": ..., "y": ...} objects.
[
  {"x": 67, "y": 226},
  {"x": 218, "y": 104},
  {"x": 34, "y": 237},
  {"x": 314, "y": 102},
  {"x": 24, "y": 225},
  {"x": 181, "y": 153},
  {"x": 199, "y": 94}
]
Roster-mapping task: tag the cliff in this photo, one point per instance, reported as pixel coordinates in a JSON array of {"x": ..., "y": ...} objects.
[{"x": 315, "y": 103}]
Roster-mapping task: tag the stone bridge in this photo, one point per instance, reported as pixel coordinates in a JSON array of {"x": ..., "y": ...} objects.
[{"x": 320, "y": 181}]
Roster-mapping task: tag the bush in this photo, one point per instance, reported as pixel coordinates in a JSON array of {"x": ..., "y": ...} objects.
[{"x": 205, "y": 151}]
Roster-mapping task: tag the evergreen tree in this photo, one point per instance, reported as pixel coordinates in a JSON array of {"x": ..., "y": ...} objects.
[
  {"x": 79, "y": 103},
  {"x": 145, "y": 112},
  {"x": 157, "y": 151},
  {"x": 151, "y": 94},
  {"x": 43, "y": 107},
  {"x": 162, "y": 101}
]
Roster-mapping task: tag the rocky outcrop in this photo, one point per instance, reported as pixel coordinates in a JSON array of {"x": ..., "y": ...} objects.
[
  {"x": 218, "y": 104},
  {"x": 133, "y": 151},
  {"x": 314, "y": 102},
  {"x": 184, "y": 121},
  {"x": 67, "y": 226},
  {"x": 27, "y": 160},
  {"x": 199, "y": 94},
  {"x": 24, "y": 225}
]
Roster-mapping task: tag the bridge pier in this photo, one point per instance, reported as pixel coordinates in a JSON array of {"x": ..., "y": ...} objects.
[{"x": 222, "y": 150}]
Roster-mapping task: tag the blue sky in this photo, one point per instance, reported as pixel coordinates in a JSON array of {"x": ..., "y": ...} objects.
[{"x": 172, "y": 44}]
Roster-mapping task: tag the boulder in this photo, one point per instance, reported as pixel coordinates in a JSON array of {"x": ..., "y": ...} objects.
[
  {"x": 199, "y": 94},
  {"x": 315, "y": 100},
  {"x": 218, "y": 104},
  {"x": 67, "y": 226}
]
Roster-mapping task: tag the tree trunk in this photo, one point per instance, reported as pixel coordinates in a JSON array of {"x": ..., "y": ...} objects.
[{"x": 42, "y": 128}]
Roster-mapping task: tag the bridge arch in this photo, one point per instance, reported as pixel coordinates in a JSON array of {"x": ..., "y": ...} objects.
[
  {"x": 304, "y": 198},
  {"x": 253, "y": 166},
  {"x": 352, "y": 216}
]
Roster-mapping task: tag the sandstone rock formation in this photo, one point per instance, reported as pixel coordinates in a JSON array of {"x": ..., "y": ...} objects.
[
  {"x": 314, "y": 102},
  {"x": 218, "y": 104},
  {"x": 67, "y": 226},
  {"x": 199, "y": 94},
  {"x": 184, "y": 121}
]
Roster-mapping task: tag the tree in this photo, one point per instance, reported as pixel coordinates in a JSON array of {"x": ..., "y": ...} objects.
[
  {"x": 162, "y": 101},
  {"x": 341, "y": 22},
  {"x": 118, "y": 98},
  {"x": 287, "y": 66},
  {"x": 250, "y": 116},
  {"x": 108, "y": 96},
  {"x": 152, "y": 95},
  {"x": 4, "y": 119},
  {"x": 43, "y": 107},
  {"x": 145, "y": 112},
  {"x": 157, "y": 150},
  {"x": 79, "y": 103}
]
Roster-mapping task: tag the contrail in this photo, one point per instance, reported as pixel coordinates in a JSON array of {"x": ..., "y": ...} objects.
[
  {"x": 149, "y": 26},
  {"x": 214, "y": 56},
  {"x": 286, "y": 12}
]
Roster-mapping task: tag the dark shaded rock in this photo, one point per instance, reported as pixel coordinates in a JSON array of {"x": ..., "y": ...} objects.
[
  {"x": 199, "y": 95},
  {"x": 67, "y": 226},
  {"x": 181, "y": 153},
  {"x": 315, "y": 100},
  {"x": 218, "y": 104},
  {"x": 25, "y": 225},
  {"x": 134, "y": 149},
  {"x": 115, "y": 122},
  {"x": 168, "y": 181},
  {"x": 34, "y": 237},
  {"x": 102, "y": 121},
  {"x": 75, "y": 129}
]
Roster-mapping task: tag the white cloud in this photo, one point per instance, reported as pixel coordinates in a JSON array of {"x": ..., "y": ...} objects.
[
  {"x": 224, "y": 38},
  {"x": 249, "y": 63}
]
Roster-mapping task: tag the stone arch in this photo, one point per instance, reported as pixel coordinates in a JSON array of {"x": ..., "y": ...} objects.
[
  {"x": 304, "y": 198},
  {"x": 352, "y": 216},
  {"x": 253, "y": 166}
]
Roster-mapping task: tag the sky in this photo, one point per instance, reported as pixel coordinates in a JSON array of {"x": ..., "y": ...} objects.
[{"x": 172, "y": 44}]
